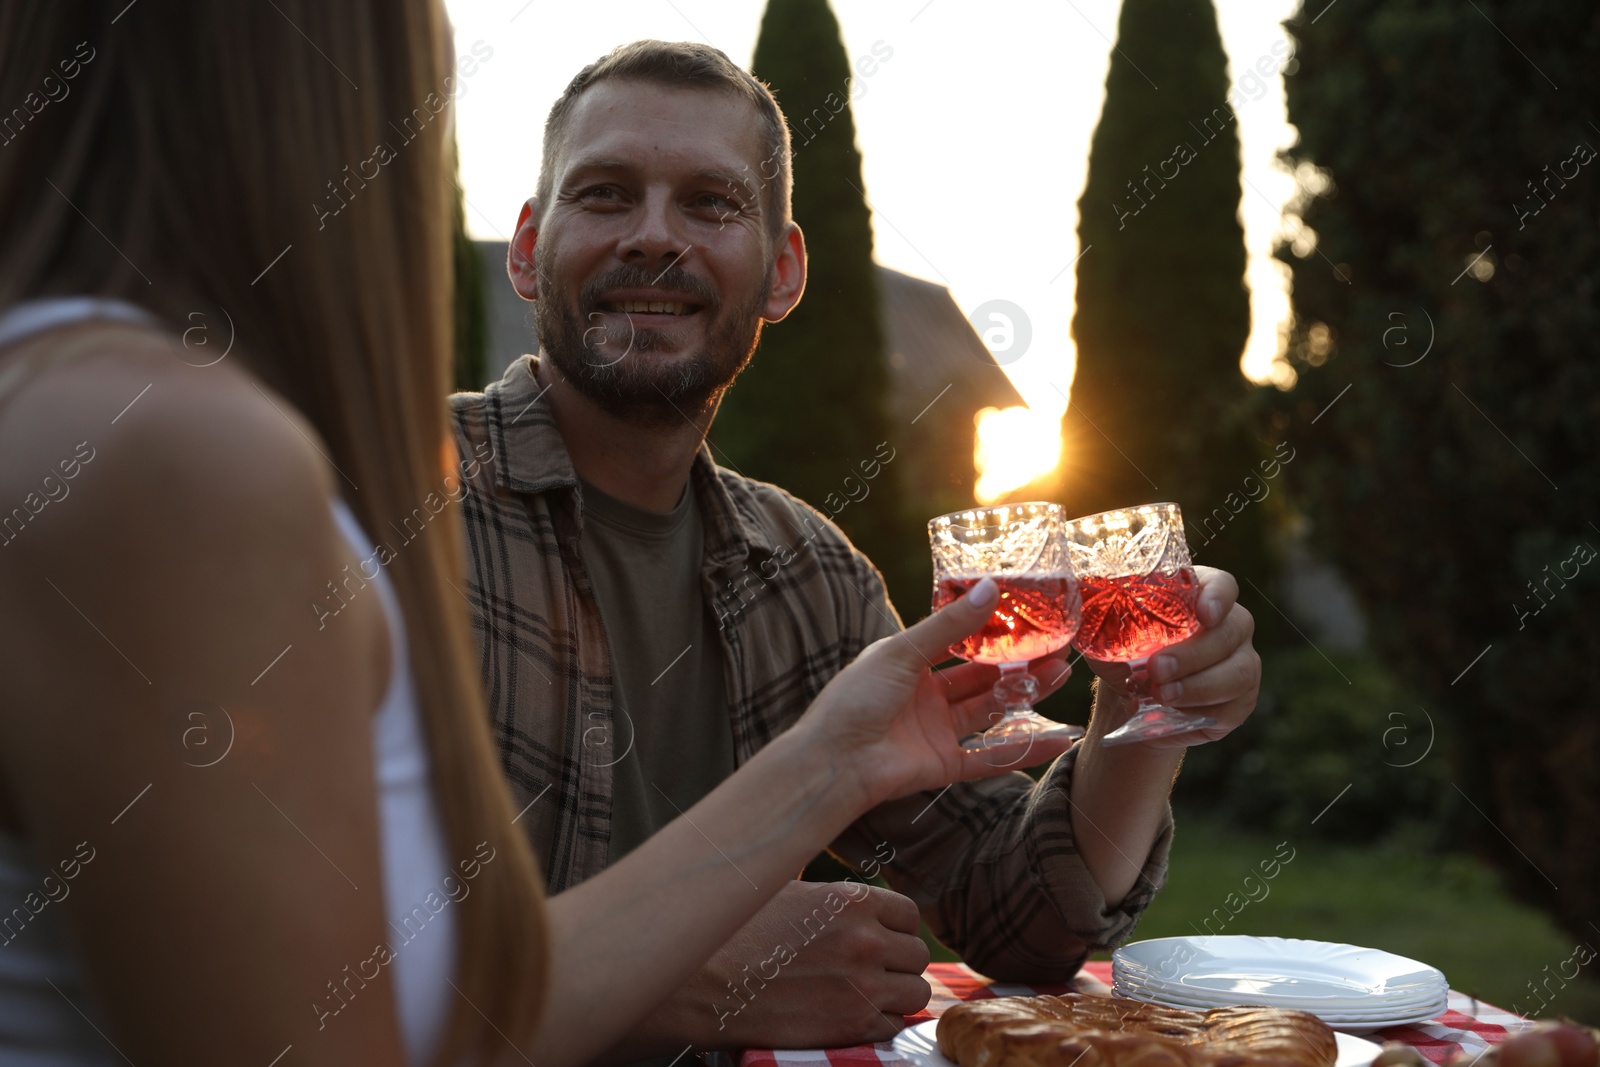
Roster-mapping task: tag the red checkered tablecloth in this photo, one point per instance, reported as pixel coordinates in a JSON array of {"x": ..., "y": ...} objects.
[{"x": 1468, "y": 1025}]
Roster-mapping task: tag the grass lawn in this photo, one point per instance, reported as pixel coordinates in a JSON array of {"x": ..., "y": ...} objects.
[{"x": 1447, "y": 911}]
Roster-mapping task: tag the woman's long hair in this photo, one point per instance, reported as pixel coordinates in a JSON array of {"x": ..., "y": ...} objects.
[{"x": 279, "y": 170}]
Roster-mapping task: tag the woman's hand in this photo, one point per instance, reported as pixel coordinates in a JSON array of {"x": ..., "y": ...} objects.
[
  {"x": 897, "y": 724},
  {"x": 1216, "y": 672}
]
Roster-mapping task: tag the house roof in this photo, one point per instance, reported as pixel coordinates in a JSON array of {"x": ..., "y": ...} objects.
[{"x": 932, "y": 345}]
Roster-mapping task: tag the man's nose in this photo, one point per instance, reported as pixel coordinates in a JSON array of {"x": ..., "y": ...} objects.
[{"x": 658, "y": 235}]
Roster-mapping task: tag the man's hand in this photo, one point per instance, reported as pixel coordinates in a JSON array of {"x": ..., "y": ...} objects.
[
  {"x": 823, "y": 965},
  {"x": 1216, "y": 672}
]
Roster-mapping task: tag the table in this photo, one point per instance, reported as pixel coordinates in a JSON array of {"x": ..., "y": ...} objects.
[{"x": 1468, "y": 1025}]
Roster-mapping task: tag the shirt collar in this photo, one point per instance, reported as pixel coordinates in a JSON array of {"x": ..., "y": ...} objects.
[{"x": 534, "y": 459}]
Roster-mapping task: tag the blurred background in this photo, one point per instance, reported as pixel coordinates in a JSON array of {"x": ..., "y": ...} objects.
[{"x": 1324, "y": 274}]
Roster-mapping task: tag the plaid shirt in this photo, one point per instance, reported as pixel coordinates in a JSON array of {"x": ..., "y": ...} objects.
[{"x": 991, "y": 864}]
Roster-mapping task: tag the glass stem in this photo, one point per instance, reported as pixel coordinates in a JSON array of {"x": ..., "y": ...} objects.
[
  {"x": 1139, "y": 682},
  {"x": 1016, "y": 689}
]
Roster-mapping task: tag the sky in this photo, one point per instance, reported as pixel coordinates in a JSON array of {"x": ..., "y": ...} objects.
[{"x": 974, "y": 132}]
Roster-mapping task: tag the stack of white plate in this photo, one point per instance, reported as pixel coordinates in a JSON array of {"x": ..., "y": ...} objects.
[{"x": 1347, "y": 987}]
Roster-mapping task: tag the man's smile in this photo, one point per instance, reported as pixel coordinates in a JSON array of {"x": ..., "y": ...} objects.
[{"x": 650, "y": 307}]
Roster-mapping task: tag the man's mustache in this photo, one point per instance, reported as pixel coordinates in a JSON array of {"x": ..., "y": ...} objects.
[{"x": 672, "y": 280}]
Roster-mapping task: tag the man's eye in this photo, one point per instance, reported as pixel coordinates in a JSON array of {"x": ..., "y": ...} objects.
[
  {"x": 599, "y": 192},
  {"x": 720, "y": 202}
]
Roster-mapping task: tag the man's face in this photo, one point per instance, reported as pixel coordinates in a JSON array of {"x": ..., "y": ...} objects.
[{"x": 654, "y": 258}]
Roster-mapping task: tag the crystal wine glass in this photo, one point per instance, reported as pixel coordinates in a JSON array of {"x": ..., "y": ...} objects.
[
  {"x": 1139, "y": 596},
  {"x": 1024, "y": 549}
]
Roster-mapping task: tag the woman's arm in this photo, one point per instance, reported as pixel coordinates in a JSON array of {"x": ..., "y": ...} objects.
[{"x": 883, "y": 728}]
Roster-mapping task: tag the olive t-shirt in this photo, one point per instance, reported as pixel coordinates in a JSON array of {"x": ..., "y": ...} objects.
[{"x": 673, "y": 737}]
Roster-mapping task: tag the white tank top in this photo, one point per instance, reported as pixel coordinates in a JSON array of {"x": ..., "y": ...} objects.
[{"x": 41, "y": 1026}]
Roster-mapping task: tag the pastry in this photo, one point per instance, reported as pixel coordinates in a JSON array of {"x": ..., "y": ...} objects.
[{"x": 1085, "y": 1031}]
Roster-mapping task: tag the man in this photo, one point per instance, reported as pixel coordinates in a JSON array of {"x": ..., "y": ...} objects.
[{"x": 629, "y": 659}]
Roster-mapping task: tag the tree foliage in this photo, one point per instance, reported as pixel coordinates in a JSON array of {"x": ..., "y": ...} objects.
[
  {"x": 1445, "y": 331},
  {"x": 811, "y": 410}
]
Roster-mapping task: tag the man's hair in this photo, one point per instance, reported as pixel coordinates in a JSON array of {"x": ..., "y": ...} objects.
[{"x": 684, "y": 65}]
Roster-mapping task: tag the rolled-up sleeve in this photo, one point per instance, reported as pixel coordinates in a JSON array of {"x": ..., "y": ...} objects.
[{"x": 994, "y": 869}]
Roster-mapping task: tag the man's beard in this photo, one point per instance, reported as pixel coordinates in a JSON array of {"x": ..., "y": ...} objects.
[{"x": 642, "y": 390}]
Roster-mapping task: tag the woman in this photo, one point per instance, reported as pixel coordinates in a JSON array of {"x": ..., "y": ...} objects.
[{"x": 211, "y": 386}]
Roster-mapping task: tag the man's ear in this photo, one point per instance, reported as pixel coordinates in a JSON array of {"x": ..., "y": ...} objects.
[
  {"x": 519, "y": 257},
  {"x": 788, "y": 274}
]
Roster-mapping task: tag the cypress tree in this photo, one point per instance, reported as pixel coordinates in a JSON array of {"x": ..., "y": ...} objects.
[
  {"x": 471, "y": 304},
  {"x": 1162, "y": 310},
  {"x": 811, "y": 409}
]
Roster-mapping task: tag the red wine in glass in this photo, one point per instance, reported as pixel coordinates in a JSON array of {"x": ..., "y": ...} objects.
[
  {"x": 1130, "y": 617},
  {"x": 1023, "y": 548},
  {"x": 1036, "y": 615},
  {"x": 1140, "y": 595}
]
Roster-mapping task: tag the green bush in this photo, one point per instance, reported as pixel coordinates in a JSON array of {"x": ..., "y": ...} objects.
[{"x": 1323, "y": 757}]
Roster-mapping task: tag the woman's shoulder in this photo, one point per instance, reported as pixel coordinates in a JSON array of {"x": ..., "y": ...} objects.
[
  {"x": 187, "y": 507},
  {"x": 113, "y": 417}
]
